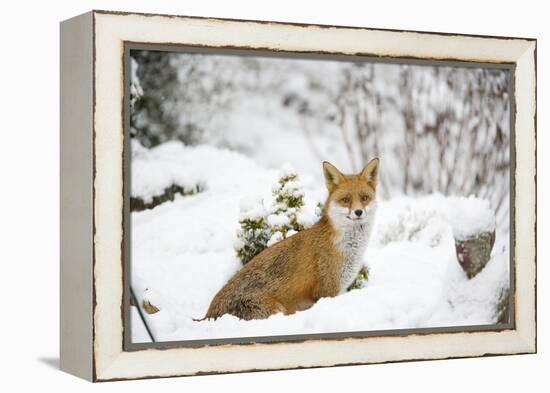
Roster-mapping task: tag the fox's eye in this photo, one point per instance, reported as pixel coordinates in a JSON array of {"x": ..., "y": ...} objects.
[
  {"x": 345, "y": 200},
  {"x": 364, "y": 198}
]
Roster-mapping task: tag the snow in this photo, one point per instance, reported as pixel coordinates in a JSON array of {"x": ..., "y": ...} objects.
[
  {"x": 469, "y": 216},
  {"x": 278, "y": 220},
  {"x": 291, "y": 232},
  {"x": 466, "y": 216},
  {"x": 151, "y": 296},
  {"x": 292, "y": 188},
  {"x": 139, "y": 333},
  {"x": 183, "y": 252},
  {"x": 251, "y": 208},
  {"x": 172, "y": 163},
  {"x": 286, "y": 170},
  {"x": 276, "y": 237}
]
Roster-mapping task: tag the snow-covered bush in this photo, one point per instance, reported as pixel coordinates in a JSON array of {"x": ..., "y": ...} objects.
[
  {"x": 253, "y": 234},
  {"x": 261, "y": 227},
  {"x": 284, "y": 219}
]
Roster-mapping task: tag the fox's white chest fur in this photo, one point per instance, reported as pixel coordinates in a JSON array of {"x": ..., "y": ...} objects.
[{"x": 352, "y": 239}]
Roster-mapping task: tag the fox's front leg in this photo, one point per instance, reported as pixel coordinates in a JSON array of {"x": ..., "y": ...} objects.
[{"x": 328, "y": 284}]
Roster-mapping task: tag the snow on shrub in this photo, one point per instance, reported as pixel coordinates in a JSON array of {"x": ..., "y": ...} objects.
[
  {"x": 285, "y": 220},
  {"x": 261, "y": 227},
  {"x": 254, "y": 233}
]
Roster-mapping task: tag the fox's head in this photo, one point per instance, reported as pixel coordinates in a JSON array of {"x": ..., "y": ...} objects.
[{"x": 351, "y": 197}]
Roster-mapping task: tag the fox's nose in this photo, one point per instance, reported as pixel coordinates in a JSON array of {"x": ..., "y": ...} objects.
[{"x": 358, "y": 212}]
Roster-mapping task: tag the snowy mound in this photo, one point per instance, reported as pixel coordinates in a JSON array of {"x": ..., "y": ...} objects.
[
  {"x": 410, "y": 219},
  {"x": 469, "y": 216},
  {"x": 172, "y": 163},
  {"x": 183, "y": 253}
]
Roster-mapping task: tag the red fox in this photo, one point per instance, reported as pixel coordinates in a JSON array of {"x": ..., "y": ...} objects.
[{"x": 321, "y": 261}]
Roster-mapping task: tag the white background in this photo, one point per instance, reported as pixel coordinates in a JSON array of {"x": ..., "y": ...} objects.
[{"x": 29, "y": 183}]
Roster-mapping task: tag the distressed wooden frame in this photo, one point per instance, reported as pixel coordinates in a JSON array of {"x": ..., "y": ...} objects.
[{"x": 92, "y": 190}]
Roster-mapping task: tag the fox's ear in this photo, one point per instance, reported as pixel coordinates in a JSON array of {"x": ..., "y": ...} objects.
[
  {"x": 370, "y": 172},
  {"x": 333, "y": 176}
]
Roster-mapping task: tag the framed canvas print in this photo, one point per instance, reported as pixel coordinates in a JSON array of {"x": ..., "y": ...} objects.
[{"x": 245, "y": 195}]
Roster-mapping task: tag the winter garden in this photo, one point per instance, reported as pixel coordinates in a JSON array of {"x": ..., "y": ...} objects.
[{"x": 226, "y": 156}]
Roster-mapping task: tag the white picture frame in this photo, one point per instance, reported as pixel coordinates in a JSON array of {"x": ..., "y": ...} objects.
[{"x": 92, "y": 195}]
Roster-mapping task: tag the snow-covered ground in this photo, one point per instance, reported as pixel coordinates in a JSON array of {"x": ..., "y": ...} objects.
[{"x": 182, "y": 253}]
